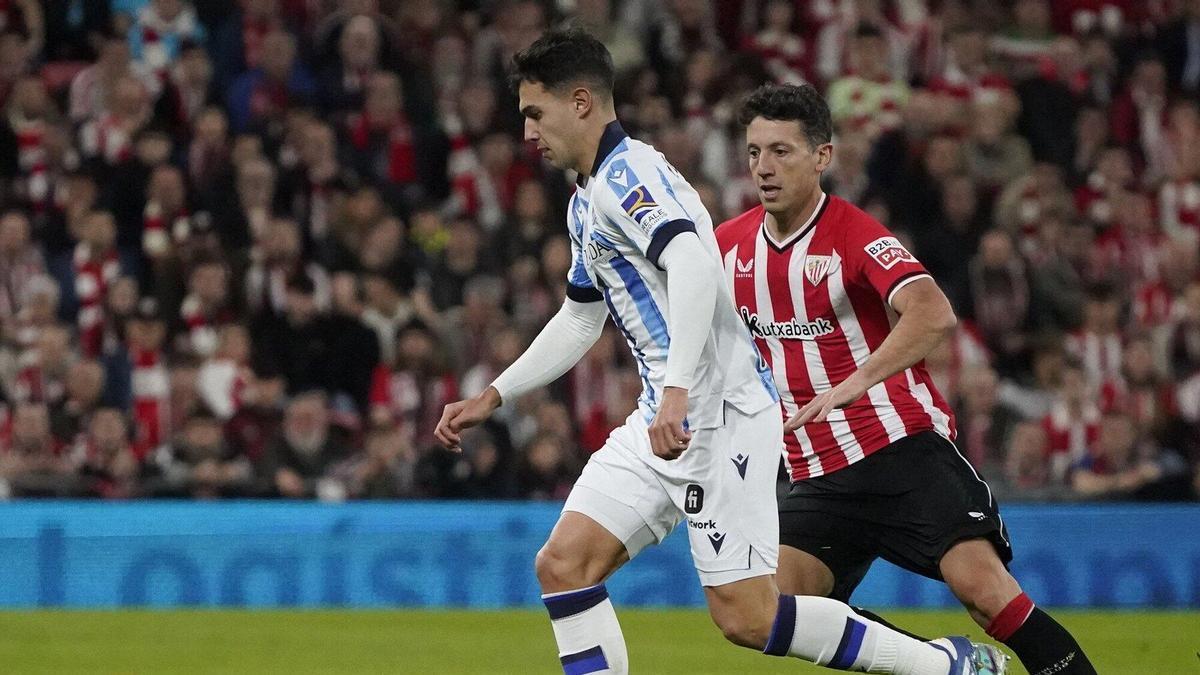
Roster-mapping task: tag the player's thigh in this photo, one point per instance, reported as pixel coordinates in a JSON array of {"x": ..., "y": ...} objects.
[
  {"x": 802, "y": 573},
  {"x": 621, "y": 495},
  {"x": 729, "y": 500},
  {"x": 827, "y": 542},
  {"x": 941, "y": 500}
]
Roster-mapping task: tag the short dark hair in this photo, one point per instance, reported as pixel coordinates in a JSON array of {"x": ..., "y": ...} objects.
[
  {"x": 790, "y": 102},
  {"x": 563, "y": 57}
]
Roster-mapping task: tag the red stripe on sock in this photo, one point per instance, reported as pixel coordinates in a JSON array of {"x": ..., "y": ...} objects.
[{"x": 1010, "y": 618}]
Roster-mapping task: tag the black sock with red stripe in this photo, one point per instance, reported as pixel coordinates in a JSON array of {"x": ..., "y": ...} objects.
[{"x": 1041, "y": 643}]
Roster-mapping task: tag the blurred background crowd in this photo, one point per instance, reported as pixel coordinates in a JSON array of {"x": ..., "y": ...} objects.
[{"x": 252, "y": 248}]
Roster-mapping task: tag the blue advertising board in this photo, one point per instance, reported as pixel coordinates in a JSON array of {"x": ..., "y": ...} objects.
[{"x": 480, "y": 554}]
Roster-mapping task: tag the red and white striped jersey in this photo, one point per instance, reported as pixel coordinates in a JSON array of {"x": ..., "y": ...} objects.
[{"x": 817, "y": 306}]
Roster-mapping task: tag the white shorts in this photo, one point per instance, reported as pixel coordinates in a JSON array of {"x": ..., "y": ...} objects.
[{"x": 723, "y": 484}]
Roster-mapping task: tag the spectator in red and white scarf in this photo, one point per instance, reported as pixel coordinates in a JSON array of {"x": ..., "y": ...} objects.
[
  {"x": 109, "y": 138},
  {"x": 150, "y": 383},
  {"x": 166, "y": 221},
  {"x": 1098, "y": 344},
  {"x": 868, "y": 99},
  {"x": 1073, "y": 424},
  {"x": 783, "y": 52},
  {"x": 92, "y": 88},
  {"x": 204, "y": 309},
  {"x": 317, "y": 183},
  {"x": 276, "y": 257},
  {"x": 390, "y": 150},
  {"x": 413, "y": 392},
  {"x": 20, "y": 263},
  {"x": 25, "y": 141},
  {"x": 968, "y": 75},
  {"x": 225, "y": 381},
  {"x": 109, "y": 466},
  {"x": 96, "y": 267}
]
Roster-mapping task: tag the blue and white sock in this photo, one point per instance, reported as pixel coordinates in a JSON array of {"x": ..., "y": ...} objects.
[
  {"x": 588, "y": 634},
  {"x": 829, "y": 633}
]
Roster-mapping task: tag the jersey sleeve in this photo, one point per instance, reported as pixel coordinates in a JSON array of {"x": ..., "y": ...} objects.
[
  {"x": 642, "y": 200},
  {"x": 878, "y": 259},
  {"x": 579, "y": 285}
]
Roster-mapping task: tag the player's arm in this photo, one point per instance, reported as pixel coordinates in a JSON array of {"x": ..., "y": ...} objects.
[
  {"x": 926, "y": 318},
  {"x": 692, "y": 277},
  {"x": 562, "y": 343}
]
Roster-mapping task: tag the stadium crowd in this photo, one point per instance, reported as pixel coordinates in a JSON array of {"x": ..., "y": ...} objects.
[{"x": 251, "y": 249}]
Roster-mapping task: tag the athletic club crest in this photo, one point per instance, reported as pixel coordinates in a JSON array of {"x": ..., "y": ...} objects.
[{"x": 816, "y": 267}]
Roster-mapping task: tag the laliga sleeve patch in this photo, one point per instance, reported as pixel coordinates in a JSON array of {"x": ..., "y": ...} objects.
[{"x": 888, "y": 252}]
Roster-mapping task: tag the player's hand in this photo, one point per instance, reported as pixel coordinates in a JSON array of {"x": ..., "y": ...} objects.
[
  {"x": 668, "y": 438},
  {"x": 816, "y": 410},
  {"x": 464, "y": 415}
]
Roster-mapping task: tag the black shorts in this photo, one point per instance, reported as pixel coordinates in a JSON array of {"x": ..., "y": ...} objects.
[{"x": 908, "y": 503}]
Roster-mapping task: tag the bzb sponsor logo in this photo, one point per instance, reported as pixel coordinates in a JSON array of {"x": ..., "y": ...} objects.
[
  {"x": 788, "y": 330},
  {"x": 888, "y": 252},
  {"x": 693, "y": 499}
]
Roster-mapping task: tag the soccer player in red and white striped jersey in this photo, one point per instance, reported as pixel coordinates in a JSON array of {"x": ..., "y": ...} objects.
[{"x": 844, "y": 315}]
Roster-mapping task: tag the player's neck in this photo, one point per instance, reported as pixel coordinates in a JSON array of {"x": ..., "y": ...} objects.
[
  {"x": 785, "y": 224},
  {"x": 592, "y": 145}
]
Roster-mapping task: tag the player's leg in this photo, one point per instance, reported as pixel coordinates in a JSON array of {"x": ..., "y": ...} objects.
[
  {"x": 943, "y": 523},
  {"x": 978, "y": 578},
  {"x": 734, "y": 535},
  {"x": 599, "y": 530},
  {"x": 825, "y": 544}
]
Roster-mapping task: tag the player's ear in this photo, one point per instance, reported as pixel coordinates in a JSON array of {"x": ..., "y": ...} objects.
[
  {"x": 824, "y": 156},
  {"x": 581, "y": 101}
]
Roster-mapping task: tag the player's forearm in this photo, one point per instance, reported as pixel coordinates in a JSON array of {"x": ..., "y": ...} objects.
[
  {"x": 920, "y": 329},
  {"x": 692, "y": 278},
  {"x": 563, "y": 341}
]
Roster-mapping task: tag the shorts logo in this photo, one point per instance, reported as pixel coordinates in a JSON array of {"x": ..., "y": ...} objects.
[
  {"x": 888, "y": 252},
  {"x": 816, "y": 267},
  {"x": 976, "y": 515},
  {"x": 716, "y": 539},
  {"x": 740, "y": 462},
  {"x": 693, "y": 500}
]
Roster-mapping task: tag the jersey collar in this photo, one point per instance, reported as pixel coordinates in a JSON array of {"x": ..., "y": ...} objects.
[
  {"x": 613, "y": 134},
  {"x": 799, "y": 233}
]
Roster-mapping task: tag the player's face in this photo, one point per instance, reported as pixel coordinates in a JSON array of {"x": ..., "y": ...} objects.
[
  {"x": 550, "y": 122},
  {"x": 785, "y": 168}
]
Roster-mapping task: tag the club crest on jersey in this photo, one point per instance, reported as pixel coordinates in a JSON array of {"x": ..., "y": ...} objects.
[
  {"x": 641, "y": 207},
  {"x": 888, "y": 252},
  {"x": 816, "y": 267}
]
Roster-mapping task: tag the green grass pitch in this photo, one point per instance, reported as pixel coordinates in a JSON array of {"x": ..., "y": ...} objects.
[{"x": 518, "y": 641}]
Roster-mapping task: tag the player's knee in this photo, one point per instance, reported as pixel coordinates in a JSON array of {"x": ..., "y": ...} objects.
[
  {"x": 987, "y": 592},
  {"x": 559, "y": 571},
  {"x": 744, "y": 631}
]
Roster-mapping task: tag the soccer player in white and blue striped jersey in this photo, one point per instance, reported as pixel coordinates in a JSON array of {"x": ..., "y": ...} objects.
[{"x": 704, "y": 444}]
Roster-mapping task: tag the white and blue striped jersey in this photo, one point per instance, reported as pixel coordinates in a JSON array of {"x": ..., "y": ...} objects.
[{"x": 620, "y": 220}]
